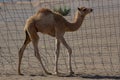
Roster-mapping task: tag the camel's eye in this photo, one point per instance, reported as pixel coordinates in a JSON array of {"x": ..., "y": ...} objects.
[
  {"x": 84, "y": 9},
  {"x": 79, "y": 9}
]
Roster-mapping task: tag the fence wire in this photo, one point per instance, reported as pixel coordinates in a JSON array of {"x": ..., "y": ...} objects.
[{"x": 96, "y": 45}]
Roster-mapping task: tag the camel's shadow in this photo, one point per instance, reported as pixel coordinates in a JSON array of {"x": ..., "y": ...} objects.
[
  {"x": 98, "y": 76},
  {"x": 89, "y": 76}
]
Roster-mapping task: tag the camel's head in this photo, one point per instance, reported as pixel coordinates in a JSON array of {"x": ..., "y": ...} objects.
[{"x": 84, "y": 10}]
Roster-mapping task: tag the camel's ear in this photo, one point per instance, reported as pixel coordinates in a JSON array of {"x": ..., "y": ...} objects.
[{"x": 79, "y": 9}]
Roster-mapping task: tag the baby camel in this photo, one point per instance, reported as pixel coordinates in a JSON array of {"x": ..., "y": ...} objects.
[{"x": 55, "y": 25}]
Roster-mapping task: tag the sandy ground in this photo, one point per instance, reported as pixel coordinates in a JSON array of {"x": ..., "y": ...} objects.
[
  {"x": 43, "y": 77},
  {"x": 96, "y": 45}
]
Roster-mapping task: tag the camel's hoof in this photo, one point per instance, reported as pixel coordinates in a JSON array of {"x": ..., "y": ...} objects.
[
  {"x": 21, "y": 74},
  {"x": 57, "y": 74},
  {"x": 71, "y": 73},
  {"x": 48, "y": 73}
]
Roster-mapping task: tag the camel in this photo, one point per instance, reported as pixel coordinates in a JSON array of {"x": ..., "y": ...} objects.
[{"x": 54, "y": 24}]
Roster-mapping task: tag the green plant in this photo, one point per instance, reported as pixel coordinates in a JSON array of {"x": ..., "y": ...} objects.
[{"x": 63, "y": 11}]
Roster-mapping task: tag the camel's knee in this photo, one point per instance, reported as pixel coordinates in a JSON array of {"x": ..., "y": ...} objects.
[
  {"x": 20, "y": 52},
  {"x": 56, "y": 54},
  {"x": 35, "y": 55}
]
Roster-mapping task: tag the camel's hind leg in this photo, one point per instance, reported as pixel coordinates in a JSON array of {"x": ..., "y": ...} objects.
[
  {"x": 27, "y": 40},
  {"x": 35, "y": 39}
]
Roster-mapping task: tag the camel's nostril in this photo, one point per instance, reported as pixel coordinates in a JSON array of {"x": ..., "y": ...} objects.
[{"x": 91, "y": 10}]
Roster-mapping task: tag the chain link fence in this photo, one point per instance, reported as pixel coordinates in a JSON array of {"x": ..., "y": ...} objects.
[{"x": 96, "y": 45}]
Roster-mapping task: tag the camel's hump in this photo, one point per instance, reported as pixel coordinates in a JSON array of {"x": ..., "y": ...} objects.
[{"x": 44, "y": 11}]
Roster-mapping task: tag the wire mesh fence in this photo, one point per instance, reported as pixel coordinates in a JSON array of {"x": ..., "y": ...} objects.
[{"x": 96, "y": 45}]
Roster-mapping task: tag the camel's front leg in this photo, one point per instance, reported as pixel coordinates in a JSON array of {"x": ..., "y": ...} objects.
[
  {"x": 62, "y": 40},
  {"x": 57, "y": 55}
]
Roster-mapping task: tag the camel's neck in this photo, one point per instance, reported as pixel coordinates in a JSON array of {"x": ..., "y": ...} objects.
[{"x": 77, "y": 22}]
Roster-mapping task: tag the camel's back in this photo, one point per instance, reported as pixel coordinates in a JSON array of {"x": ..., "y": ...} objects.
[
  {"x": 44, "y": 16},
  {"x": 44, "y": 11}
]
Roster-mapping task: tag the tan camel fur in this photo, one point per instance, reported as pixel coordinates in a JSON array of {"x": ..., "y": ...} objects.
[{"x": 55, "y": 25}]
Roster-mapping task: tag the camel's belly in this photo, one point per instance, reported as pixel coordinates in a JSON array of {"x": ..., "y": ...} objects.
[{"x": 47, "y": 30}]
